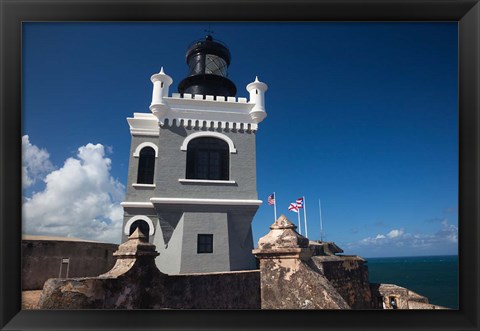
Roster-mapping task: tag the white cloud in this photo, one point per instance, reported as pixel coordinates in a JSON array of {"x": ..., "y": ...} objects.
[
  {"x": 399, "y": 238},
  {"x": 394, "y": 233},
  {"x": 80, "y": 200},
  {"x": 449, "y": 232},
  {"x": 35, "y": 163}
]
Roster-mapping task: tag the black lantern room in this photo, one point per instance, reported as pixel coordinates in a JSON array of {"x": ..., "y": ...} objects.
[{"x": 208, "y": 61}]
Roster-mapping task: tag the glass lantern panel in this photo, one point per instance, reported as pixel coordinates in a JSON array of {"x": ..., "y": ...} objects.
[{"x": 215, "y": 65}]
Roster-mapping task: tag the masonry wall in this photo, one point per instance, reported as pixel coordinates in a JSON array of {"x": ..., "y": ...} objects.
[
  {"x": 241, "y": 239},
  {"x": 226, "y": 290},
  {"x": 171, "y": 164},
  {"x": 41, "y": 260},
  {"x": 391, "y": 296},
  {"x": 294, "y": 284},
  {"x": 176, "y": 226},
  {"x": 289, "y": 278},
  {"x": 149, "y": 289},
  {"x": 214, "y": 223},
  {"x": 176, "y": 234},
  {"x": 349, "y": 276},
  {"x": 142, "y": 194}
]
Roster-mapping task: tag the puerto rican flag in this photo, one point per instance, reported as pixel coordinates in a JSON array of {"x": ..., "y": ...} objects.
[
  {"x": 293, "y": 207},
  {"x": 300, "y": 202}
]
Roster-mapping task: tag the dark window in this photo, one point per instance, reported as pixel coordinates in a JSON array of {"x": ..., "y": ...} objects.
[
  {"x": 142, "y": 225},
  {"x": 205, "y": 243},
  {"x": 146, "y": 166},
  {"x": 207, "y": 158}
]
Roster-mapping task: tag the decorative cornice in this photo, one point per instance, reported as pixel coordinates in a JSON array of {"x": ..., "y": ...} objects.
[
  {"x": 132, "y": 204},
  {"x": 143, "y": 124},
  {"x": 191, "y": 201},
  {"x": 195, "y": 123},
  {"x": 216, "y": 112},
  {"x": 144, "y": 133}
]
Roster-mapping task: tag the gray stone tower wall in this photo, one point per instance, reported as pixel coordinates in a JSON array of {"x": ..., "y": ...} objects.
[
  {"x": 139, "y": 194},
  {"x": 171, "y": 167},
  {"x": 176, "y": 225}
]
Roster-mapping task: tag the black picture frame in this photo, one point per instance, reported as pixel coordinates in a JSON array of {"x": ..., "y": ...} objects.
[{"x": 14, "y": 12}]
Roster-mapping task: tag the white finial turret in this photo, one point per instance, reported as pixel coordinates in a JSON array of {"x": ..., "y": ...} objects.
[
  {"x": 257, "y": 90},
  {"x": 161, "y": 83}
]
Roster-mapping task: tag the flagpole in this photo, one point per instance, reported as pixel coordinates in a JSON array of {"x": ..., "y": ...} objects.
[
  {"x": 299, "y": 223},
  {"x": 321, "y": 223},
  {"x": 305, "y": 216},
  {"x": 275, "y": 206}
]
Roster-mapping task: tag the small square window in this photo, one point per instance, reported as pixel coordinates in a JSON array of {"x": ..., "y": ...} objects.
[{"x": 205, "y": 243}]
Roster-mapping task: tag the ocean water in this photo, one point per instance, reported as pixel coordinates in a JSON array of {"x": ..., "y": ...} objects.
[{"x": 435, "y": 277}]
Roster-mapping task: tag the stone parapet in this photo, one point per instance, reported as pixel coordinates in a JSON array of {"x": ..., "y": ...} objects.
[
  {"x": 283, "y": 242},
  {"x": 288, "y": 278},
  {"x": 136, "y": 283},
  {"x": 349, "y": 276},
  {"x": 324, "y": 248}
]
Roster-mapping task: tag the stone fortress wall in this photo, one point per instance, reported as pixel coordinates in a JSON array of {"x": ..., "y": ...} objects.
[
  {"x": 49, "y": 257},
  {"x": 135, "y": 282},
  {"x": 290, "y": 277}
]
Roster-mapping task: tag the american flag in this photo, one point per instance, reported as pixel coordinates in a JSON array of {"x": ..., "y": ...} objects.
[
  {"x": 271, "y": 199},
  {"x": 300, "y": 202},
  {"x": 293, "y": 207}
]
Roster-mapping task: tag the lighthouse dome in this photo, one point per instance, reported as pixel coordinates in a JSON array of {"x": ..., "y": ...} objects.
[{"x": 208, "y": 61}]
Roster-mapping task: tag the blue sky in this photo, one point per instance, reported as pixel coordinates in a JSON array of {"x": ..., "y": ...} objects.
[{"x": 360, "y": 115}]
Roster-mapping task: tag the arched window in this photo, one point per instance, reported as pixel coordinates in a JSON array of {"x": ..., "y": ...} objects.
[
  {"x": 146, "y": 166},
  {"x": 207, "y": 158},
  {"x": 142, "y": 225}
]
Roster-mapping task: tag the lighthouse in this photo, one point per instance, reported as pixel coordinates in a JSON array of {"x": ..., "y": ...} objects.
[{"x": 191, "y": 186}]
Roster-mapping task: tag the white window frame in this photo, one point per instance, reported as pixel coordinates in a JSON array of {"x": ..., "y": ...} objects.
[
  {"x": 142, "y": 146},
  {"x": 221, "y": 136},
  {"x": 151, "y": 228}
]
